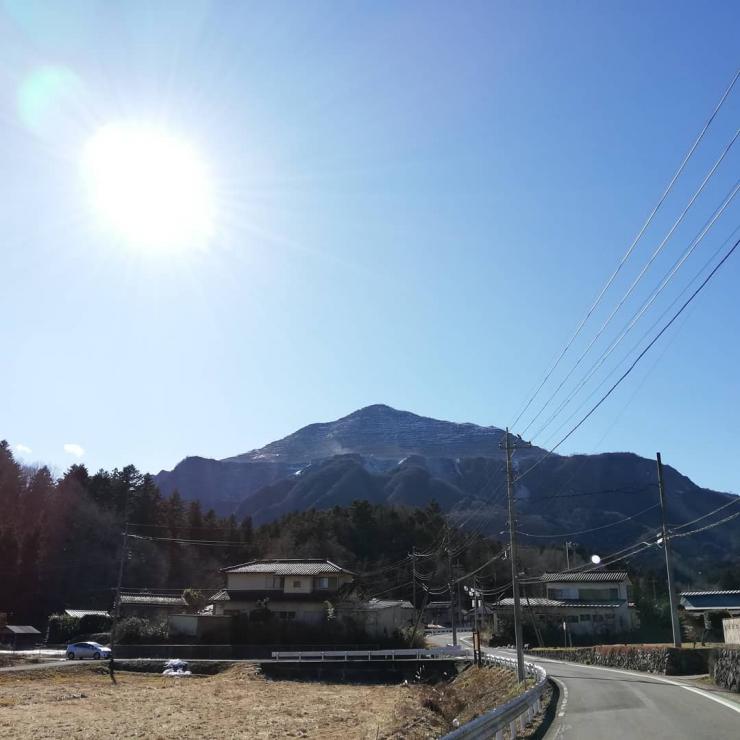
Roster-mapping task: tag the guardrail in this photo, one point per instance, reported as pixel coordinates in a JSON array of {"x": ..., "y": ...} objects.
[
  {"x": 442, "y": 630},
  {"x": 304, "y": 656},
  {"x": 518, "y": 711}
]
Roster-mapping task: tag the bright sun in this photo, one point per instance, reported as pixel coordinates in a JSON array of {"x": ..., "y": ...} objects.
[{"x": 150, "y": 188}]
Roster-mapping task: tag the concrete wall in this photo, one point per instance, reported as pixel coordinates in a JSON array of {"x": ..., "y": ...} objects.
[{"x": 731, "y": 629}]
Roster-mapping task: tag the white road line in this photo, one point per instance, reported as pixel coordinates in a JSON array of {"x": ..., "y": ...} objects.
[
  {"x": 706, "y": 694},
  {"x": 564, "y": 705}
]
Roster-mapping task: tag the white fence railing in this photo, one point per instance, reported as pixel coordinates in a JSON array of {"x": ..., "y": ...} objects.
[
  {"x": 304, "y": 656},
  {"x": 514, "y": 714}
]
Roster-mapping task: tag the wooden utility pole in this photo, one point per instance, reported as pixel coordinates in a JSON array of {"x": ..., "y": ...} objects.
[
  {"x": 476, "y": 630},
  {"x": 675, "y": 624},
  {"x": 119, "y": 584},
  {"x": 451, "y": 588},
  {"x": 413, "y": 574},
  {"x": 567, "y": 555},
  {"x": 514, "y": 560}
]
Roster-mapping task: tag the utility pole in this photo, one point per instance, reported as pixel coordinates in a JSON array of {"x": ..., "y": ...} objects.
[
  {"x": 567, "y": 555},
  {"x": 413, "y": 574},
  {"x": 514, "y": 561},
  {"x": 119, "y": 584},
  {"x": 675, "y": 624},
  {"x": 476, "y": 630},
  {"x": 451, "y": 588}
]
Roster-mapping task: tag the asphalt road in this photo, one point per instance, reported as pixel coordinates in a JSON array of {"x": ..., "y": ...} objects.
[{"x": 605, "y": 703}]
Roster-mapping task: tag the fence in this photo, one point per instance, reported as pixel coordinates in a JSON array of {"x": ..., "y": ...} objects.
[
  {"x": 190, "y": 651},
  {"x": 518, "y": 711},
  {"x": 304, "y": 656}
]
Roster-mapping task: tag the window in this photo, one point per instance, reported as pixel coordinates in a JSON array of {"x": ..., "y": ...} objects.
[
  {"x": 585, "y": 617},
  {"x": 296, "y": 584},
  {"x": 598, "y": 617},
  {"x": 277, "y": 582},
  {"x": 322, "y": 583},
  {"x": 325, "y": 583},
  {"x": 286, "y": 616},
  {"x": 571, "y": 619}
]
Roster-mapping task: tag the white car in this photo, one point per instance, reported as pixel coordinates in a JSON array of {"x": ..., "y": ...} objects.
[{"x": 91, "y": 650}]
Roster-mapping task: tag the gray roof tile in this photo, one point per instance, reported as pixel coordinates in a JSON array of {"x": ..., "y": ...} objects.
[
  {"x": 289, "y": 567},
  {"x": 595, "y": 576}
]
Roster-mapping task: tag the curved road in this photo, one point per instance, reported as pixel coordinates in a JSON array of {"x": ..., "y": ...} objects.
[{"x": 608, "y": 703}]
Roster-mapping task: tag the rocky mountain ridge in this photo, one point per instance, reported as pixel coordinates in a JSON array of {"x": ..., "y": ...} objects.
[{"x": 388, "y": 456}]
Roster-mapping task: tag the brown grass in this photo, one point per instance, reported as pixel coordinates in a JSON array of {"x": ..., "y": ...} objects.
[{"x": 239, "y": 703}]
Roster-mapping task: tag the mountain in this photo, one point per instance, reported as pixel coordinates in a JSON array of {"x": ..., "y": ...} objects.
[
  {"x": 382, "y": 432},
  {"x": 380, "y": 435},
  {"x": 388, "y": 456}
]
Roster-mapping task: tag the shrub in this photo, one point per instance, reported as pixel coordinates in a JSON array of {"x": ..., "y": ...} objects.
[
  {"x": 61, "y": 628},
  {"x": 135, "y": 630},
  {"x": 92, "y": 623}
]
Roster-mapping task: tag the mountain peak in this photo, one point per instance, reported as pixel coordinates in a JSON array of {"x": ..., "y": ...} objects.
[{"x": 380, "y": 431}]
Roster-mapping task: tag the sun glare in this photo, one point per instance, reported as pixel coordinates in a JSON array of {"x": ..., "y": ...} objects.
[{"x": 149, "y": 187}]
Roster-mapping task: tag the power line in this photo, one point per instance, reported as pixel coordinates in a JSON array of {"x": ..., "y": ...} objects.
[
  {"x": 592, "y": 529},
  {"x": 637, "y": 280},
  {"x": 640, "y": 312},
  {"x": 706, "y": 527},
  {"x": 604, "y": 491},
  {"x": 734, "y": 502},
  {"x": 181, "y": 541},
  {"x": 631, "y": 248},
  {"x": 624, "y": 375},
  {"x": 637, "y": 344}
]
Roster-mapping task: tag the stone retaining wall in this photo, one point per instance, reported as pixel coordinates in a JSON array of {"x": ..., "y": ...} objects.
[
  {"x": 658, "y": 659},
  {"x": 725, "y": 668}
]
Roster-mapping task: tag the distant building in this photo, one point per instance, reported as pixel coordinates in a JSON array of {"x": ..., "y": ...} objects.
[
  {"x": 151, "y": 605},
  {"x": 19, "y": 636},
  {"x": 437, "y": 612},
  {"x": 724, "y": 603},
  {"x": 379, "y": 618},
  {"x": 595, "y": 604},
  {"x": 292, "y": 589},
  {"x": 713, "y": 610}
]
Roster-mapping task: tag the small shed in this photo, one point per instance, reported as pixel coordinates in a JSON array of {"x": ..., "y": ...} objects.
[{"x": 20, "y": 636}]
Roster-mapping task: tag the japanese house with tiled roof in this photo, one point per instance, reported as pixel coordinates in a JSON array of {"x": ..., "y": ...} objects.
[
  {"x": 591, "y": 604},
  {"x": 293, "y": 589}
]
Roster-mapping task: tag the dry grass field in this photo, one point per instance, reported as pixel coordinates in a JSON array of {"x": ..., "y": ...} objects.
[{"x": 238, "y": 703}]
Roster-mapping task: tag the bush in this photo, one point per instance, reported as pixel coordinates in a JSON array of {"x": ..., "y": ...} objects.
[
  {"x": 135, "y": 630},
  {"x": 61, "y": 628},
  {"x": 92, "y": 623}
]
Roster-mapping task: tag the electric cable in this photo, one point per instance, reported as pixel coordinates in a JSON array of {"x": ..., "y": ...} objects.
[{"x": 631, "y": 248}]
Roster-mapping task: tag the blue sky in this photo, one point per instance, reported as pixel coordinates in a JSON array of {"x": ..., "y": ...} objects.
[{"x": 415, "y": 204}]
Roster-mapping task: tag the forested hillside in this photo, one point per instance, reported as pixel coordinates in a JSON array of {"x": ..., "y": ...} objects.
[{"x": 60, "y": 543}]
